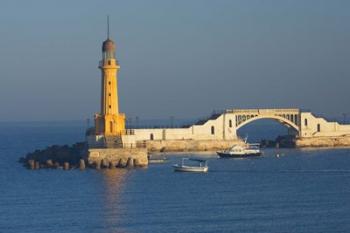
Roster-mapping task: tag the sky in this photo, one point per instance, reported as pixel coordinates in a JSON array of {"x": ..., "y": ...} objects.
[{"x": 178, "y": 58}]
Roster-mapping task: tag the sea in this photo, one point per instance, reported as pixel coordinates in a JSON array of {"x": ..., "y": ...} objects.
[{"x": 285, "y": 190}]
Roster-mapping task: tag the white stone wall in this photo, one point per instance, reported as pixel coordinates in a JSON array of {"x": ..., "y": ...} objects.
[
  {"x": 327, "y": 129},
  {"x": 221, "y": 131},
  {"x": 230, "y": 132}
]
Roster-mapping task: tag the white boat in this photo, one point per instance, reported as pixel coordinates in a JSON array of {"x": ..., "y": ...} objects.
[
  {"x": 203, "y": 167},
  {"x": 240, "y": 151},
  {"x": 158, "y": 159}
]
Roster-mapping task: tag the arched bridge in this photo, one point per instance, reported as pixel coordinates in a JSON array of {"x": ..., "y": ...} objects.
[
  {"x": 288, "y": 117},
  {"x": 305, "y": 123}
]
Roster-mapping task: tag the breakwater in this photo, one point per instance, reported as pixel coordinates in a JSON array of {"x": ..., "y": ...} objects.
[
  {"x": 78, "y": 156},
  {"x": 343, "y": 141}
]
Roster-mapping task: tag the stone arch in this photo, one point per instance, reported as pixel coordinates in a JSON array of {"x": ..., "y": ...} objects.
[{"x": 280, "y": 119}]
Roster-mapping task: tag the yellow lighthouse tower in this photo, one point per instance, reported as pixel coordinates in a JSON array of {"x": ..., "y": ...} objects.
[{"x": 109, "y": 122}]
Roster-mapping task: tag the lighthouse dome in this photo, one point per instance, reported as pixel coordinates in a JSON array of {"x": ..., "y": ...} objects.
[{"x": 108, "y": 45}]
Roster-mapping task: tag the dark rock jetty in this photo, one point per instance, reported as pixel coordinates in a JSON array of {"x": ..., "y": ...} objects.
[
  {"x": 60, "y": 157},
  {"x": 70, "y": 157}
]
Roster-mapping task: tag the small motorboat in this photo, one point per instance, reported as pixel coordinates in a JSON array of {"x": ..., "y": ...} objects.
[
  {"x": 202, "y": 167},
  {"x": 241, "y": 151},
  {"x": 158, "y": 159}
]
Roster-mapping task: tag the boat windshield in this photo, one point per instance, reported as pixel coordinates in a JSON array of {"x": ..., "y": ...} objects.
[
  {"x": 254, "y": 146},
  {"x": 200, "y": 161}
]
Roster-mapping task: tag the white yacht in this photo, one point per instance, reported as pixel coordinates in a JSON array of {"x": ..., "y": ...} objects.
[
  {"x": 203, "y": 167},
  {"x": 240, "y": 151}
]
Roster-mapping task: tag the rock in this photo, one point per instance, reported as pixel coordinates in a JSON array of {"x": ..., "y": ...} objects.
[
  {"x": 130, "y": 163},
  {"x": 66, "y": 166},
  {"x": 118, "y": 163},
  {"x": 31, "y": 164},
  {"x": 49, "y": 163},
  {"x": 37, "y": 165},
  {"x": 98, "y": 165},
  {"x": 56, "y": 165},
  {"x": 105, "y": 163},
  {"x": 49, "y": 155},
  {"x": 81, "y": 164},
  {"x": 136, "y": 162},
  {"x": 111, "y": 165},
  {"x": 140, "y": 163},
  {"x": 122, "y": 163}
]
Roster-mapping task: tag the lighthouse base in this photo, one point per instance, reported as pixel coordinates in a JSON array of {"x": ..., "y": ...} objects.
[{"x": 110, "y": 124}]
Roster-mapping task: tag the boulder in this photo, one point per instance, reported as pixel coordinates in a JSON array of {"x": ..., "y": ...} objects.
[
  {"x": 37, "y": 165},
  {"x": 49, "y": 163},
  {"x": 122, "y": 163},
  {"x": 98, "y": 165},
  {"x": 82, "y": 164},
  {"x": 31, "y": 164},
  {"x": 111, "y": 165},
  {"x": 130, "y": 163},
  {"x": 105, "y": 163},
  {"x": 66, "y": 166}
]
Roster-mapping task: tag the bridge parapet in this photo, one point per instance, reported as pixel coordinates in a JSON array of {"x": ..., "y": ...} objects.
[
  {"x": 265, "y": 110},
  {"x": 287, "y": 116}
]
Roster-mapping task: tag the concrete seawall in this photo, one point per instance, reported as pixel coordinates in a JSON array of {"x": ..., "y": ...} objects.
[
  {"x": 118, "y": 156},
  {"x": 189, "y": 145},
  {"x": 343, "y": 141}
]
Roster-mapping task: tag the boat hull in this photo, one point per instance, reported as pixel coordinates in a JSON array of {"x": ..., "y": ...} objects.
[
  {"x": 156, "y": 161},
  {"x": 232, "y": 155},
  {"x": 179, "y": 168}
]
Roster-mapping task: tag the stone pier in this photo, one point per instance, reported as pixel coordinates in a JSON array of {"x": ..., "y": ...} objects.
[
  {"x": 189, "y": 145},
  {"x": 115, "y": 155}
]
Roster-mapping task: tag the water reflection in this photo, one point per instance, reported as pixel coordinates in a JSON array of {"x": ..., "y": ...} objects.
[{"x": 114, "y": 181}]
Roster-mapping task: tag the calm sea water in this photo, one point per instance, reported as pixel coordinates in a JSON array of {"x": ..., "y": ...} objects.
[{"x": 299, "y": 191}]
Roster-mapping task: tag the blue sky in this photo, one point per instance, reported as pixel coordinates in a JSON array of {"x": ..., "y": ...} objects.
[{"x": 178, "y": 58}]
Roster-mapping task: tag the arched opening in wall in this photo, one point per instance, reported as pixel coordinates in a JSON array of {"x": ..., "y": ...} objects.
[
  {"x": 151, "y": 136},
  {"x": 212, "y": 129},
  {"x": 318, "y": 128},
  {"x": 305, "y": 122},
  {"x": 230, "y": 123},
  {"x": 268, "y": 132}
]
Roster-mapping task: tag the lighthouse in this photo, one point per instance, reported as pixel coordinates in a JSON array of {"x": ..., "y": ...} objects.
[{"x": 109, "y": 122}]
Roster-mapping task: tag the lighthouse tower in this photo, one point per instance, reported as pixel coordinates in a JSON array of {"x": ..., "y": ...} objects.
[{"x": 109, "y": 122}]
